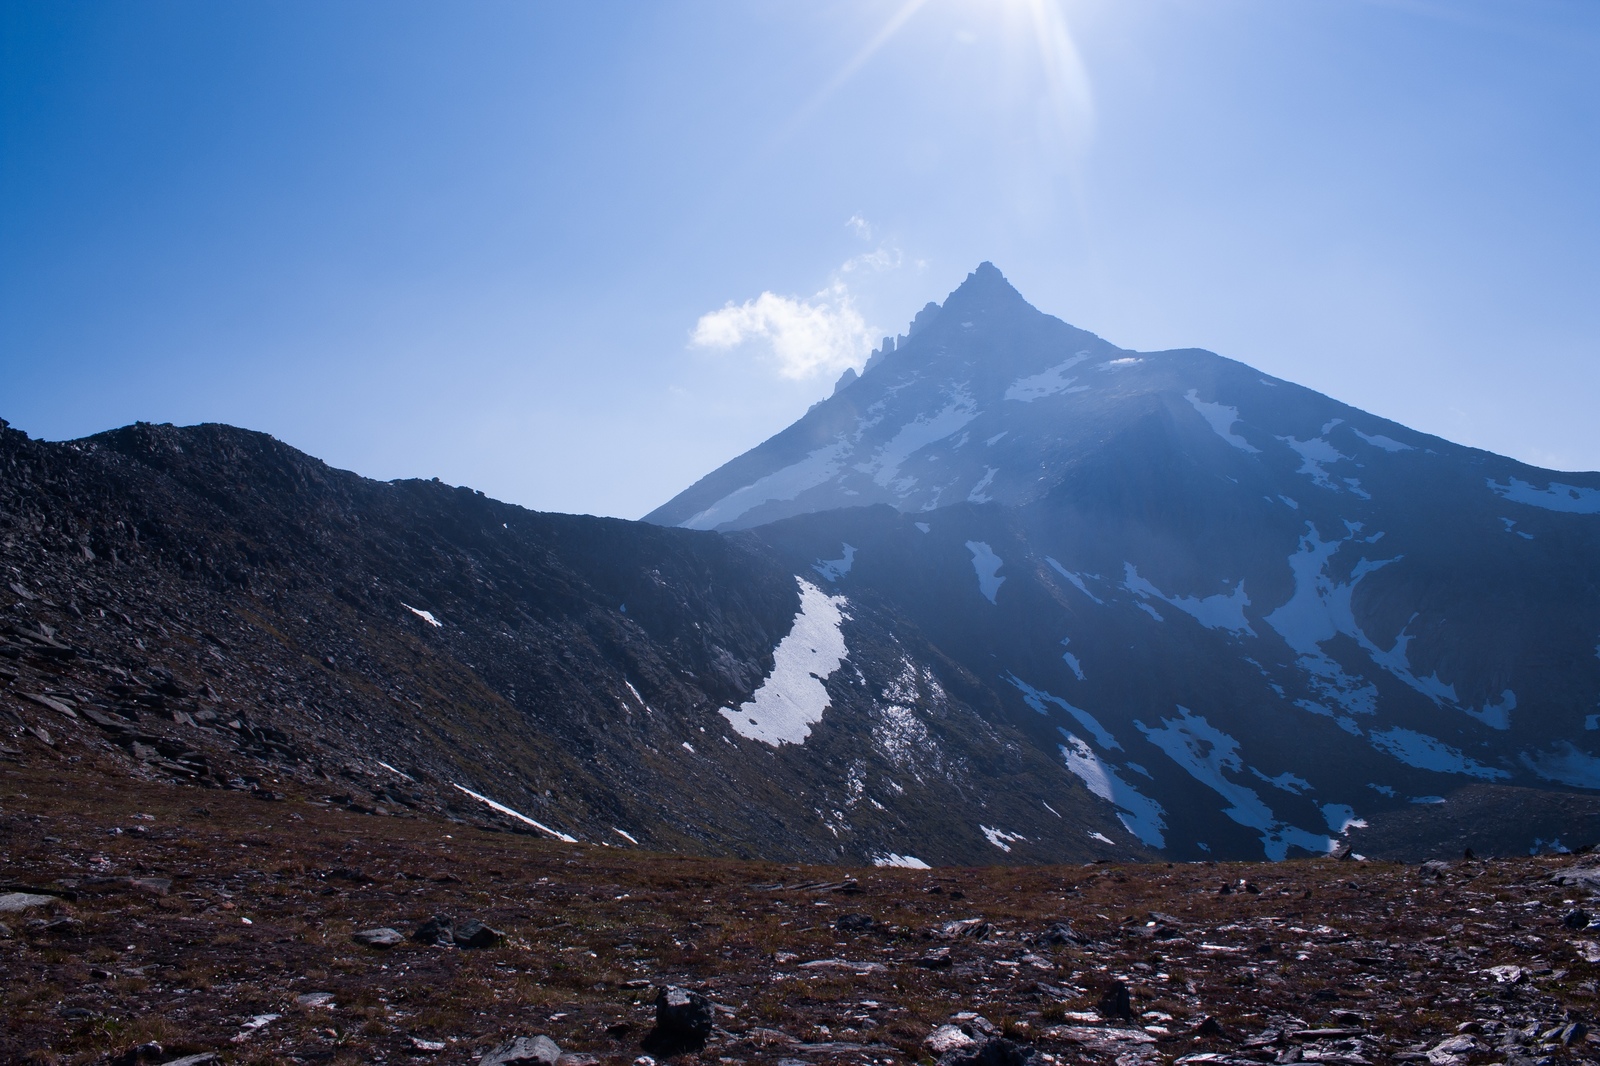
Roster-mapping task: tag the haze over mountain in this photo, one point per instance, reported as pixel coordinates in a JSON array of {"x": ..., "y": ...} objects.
[{"x": 1247, "y": 615}]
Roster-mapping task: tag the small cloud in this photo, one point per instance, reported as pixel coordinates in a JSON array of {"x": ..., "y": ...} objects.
[
  {"x": 806, "y": 338},
  {"x": 878, "y": 260},
  {"x": 860, "y": 227}
]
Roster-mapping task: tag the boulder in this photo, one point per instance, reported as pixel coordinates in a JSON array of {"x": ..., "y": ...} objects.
[{"x": 683, "y": 1022}]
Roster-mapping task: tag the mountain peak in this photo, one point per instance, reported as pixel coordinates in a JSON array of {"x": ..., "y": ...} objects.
[{"x": 985, "y": 287}]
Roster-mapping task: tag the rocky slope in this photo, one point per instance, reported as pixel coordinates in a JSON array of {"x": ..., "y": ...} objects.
[
  {"x": 151, "y": 928},
  {"x": 209, "y": 606},
  {"x": 1257, "y": 621}
]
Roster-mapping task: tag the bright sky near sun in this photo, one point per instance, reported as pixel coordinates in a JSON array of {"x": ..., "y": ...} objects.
[{"x": 578, "y": 255}]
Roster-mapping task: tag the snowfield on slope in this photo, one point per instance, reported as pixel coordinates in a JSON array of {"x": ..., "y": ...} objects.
[{"x": 793, "y": 697}]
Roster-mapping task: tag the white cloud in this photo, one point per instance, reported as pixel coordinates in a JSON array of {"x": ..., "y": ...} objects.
[
  {"x": 881, "y": 258},
  {"x": 860, "y": 227},
  {"x": 805, "y": 338}
]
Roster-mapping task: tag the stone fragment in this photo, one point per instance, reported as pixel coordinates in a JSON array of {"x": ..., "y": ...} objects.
[
  {"x": 15, "y": 902},
  {"x": 438, "y": 931},
  {"x": 524, "y": 1051},
  {"x": 843, "y": 964},
  {"x": 994, "y": 1051},
  {"x": 382, "y": 937},
  {"x": 1454, "y": 1050},
  {"x": 1115, "y": 1002},
  {"x": 948, "y": 1038},
  {"x": 1061, "y": 935},
  {"x": 146, "y": 1052},
  {"x": 474, "y": 934}
]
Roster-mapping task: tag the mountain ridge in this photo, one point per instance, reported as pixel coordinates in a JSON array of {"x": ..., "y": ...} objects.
[{"x": 1277, "y": 564}]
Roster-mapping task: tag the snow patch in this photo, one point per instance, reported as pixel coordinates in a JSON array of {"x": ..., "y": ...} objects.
[
  {"x": 1342, "y": 818},
  {"x": 1557, "y": 497},
  {"x": 503, "y": 809},
  {"x": 1213, "y": 612},
  {"x": 1002, "y": 840},
  {"x": 1149, "y": 610},
  {"x": 987, "y": 566},
  {"x": 1567, "y": 764},
  {"x": 793, "y": 696},
  {"x": 1102, "y": 838},
  {"x": 1071, "y": 660},
  {"x": 1320, "y": 610},
  {"x": 426, "y": 616},
  {"x": 916, "y": 435},
  {"x": 629, "y": 837},
  {"x": 1496, "y": 715},
  {"x": 1077, "y": 582},
  {"x": 834, "y": 569},
  {"x": 1289, "y": 782},
  {"x": 816, "y": 468},
  {"x": 1138, "y": 813},
  {"x": 1313, "y": 453},
  {"x": 977, "y": 495},
  {"x": 923, "y": 526},
  {"x": 1207, "y": 754},
  {"x": 1430, "y": 753},
  {"x": 904, "y": 862},
  {"x": 392, "y": 770},
  {"x": 1038, "y": 698},
  {"x": 1378, "y": 440},
  {"x": 1222, "y": 419},
  {"x": 1046, "y": 383}
]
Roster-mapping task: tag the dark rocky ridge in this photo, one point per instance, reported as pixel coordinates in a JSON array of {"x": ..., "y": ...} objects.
[{"x": 211, "y": 606}]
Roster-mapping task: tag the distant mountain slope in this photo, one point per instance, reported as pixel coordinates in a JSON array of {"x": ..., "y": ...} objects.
[
  {"x": 209, "y": 605},
  {"x": 1250, "y": 616}
]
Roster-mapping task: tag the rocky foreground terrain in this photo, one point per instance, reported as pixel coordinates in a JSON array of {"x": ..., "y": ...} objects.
[{"x": 151, "y": 922}]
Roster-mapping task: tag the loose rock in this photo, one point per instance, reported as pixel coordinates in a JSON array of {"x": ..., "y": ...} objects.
[
  {"x": 995, "y": 1051},
  {"x": 383, "y": 937},
  {"x": 524, "y": 1051}
]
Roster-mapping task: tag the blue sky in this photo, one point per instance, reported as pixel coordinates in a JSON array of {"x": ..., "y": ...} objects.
[{"x": 498, "y": 243}]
